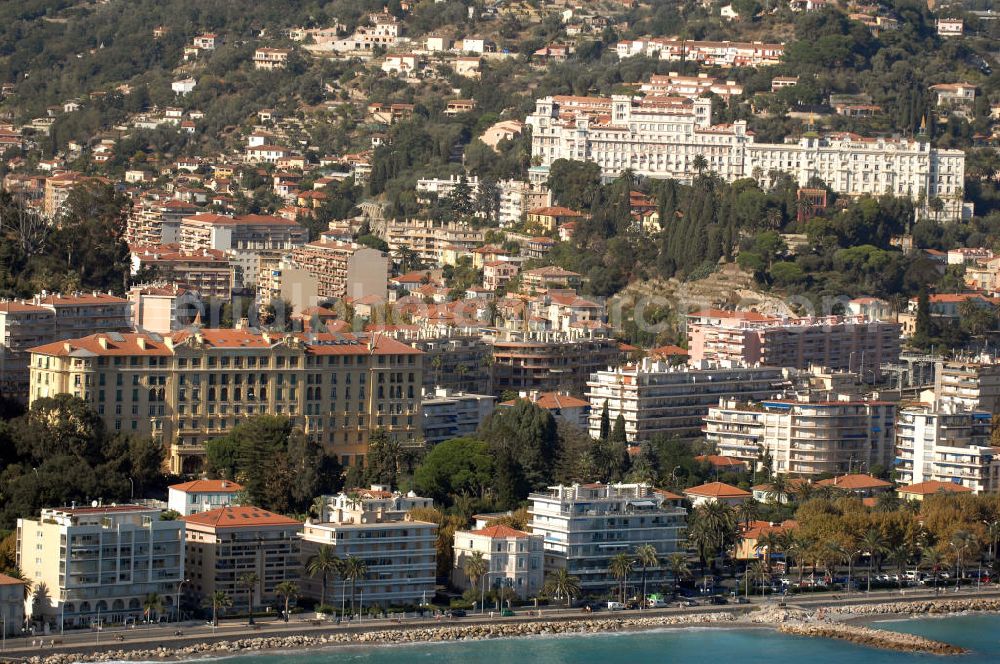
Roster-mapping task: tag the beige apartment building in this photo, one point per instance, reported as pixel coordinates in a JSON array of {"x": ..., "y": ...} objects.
[
  {"x": 853, "y": 343},
  {"x": 191, "y": 386},
  {"x": 805, "y": 436},
  {"x": 375, "y": 526},
  {"x": 251, "y": 232},
  {"x": 344, "y": 268},
  {"x": 57, "y": 190},
  {"x": 100, "y": 562},
  {"x": 968, "y": 384},
  {"x": 208, "y": 271},
  {"x": 155, "y": 222},
  {"x": 515, "y": 559},
  {"x": 163, "y": 308},
  {"x": 428, "y": 238},
  {"x": 227, "y": 543},
  {"x": 45, "y": 318}
]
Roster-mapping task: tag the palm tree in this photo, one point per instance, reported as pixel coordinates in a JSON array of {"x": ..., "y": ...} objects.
[
  {"x": 756, "y": 571},
  {"x": 475, "y": 566},
  {"x": 932, "y": 559},
  {"x": 699, "y": 163},
  {"x": 899, "y": 556},
  {"x": 354, "y": 569},
  {"x": 770, "y": 542},
  {"x": 778, "y": 491},
  {"x": 619, "y": 567},
  {"x": 249, "y": 581},
  {"x": 215, "y": 601},
  {"x": 679, "y": 568},
  {"x": 873, "y": 542},
  {"x": 746, "y": 512},
  {"x": 288, "y": 590},
  {"x": 805, "y": 491},
  {"x": 794, "y": 548},
  {"x": 152, "y": 603},
  {"x": 39, "y": 599},
  {"x": 646, "y": 556},
  {"x": 322, "y": 563},
  {"x": 560, "y": 583}
]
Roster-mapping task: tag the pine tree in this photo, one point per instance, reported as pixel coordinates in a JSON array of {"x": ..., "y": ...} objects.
[
  {"x": 605, "y": 422},
  {"x": 618, "y": 433}
]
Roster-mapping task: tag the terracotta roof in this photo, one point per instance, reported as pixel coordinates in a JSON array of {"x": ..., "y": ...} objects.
[
  {"x": 238, "y": 517},
  {"x": 668, "y": 351},
  {"x": 855, "y": 481},
  {"x": 667, "y": 495},
  {"x": 59, "y": 300},
  {"x": 721, "y": 313},
  {"x": 208, "y": 486},
  {"x": 555, "y": 211},
  {"x": 717, "y": 490},
  {"x": 551, "y": 401},
  {"x": 721, "y": 461},
  {"x": 500, "y": 531},
  {"x": 10, "y": 581},
  {"x": 21, "y": 307},
  {"x": 932, "y": 487}
]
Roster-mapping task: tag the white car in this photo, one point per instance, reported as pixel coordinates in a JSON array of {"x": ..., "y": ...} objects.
[{"x": 616, "y": 606}]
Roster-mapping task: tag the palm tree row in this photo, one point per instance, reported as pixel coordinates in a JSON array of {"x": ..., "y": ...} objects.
[{"x": 325, "y": 562}]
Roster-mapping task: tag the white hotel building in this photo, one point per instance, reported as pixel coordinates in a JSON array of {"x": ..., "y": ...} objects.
[
  {"x": 947, "y": 445},
  {"x": 660, "y": 137}
]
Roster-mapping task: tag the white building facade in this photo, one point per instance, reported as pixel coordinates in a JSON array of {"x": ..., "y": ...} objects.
[
  {"x": 660, "y": 137},
  {"x": 946, "y": 445}
]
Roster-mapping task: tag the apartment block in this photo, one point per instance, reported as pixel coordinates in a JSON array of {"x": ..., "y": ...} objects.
[
  {"x": 227, "y": 543},
  {"x": 11, "y": 605},
  {"x": 455, "y": 361},
  {"x": 661, "y": 137},
  {"x": 375, "y": 526},
  {"x": 656, "y": 398},
  {"x": 269, "y": 59},
  {"x": 207, "y": 271},
  {"x": 80, "y": 314},
  {"x": 251, "y": 232},
  {"x": 428, "y": 238},
  {"x": 163, "y": 308},
  {"x": 549, "y": 362},
  {"x": 100, "y": 562},
  {"x": 57, "y": 190},
  {"x": 947, "y": 445},
  {"x": 448, "y": 414},
  {"x": 191, "y": 386},
  {"x": 156, "y": 222},
  {"x": 836, "y": 342},
  {"x": 968, "y": 385},
  {"x": 344, "y": 268},
  {"x": 584, "y": 526},
  {"x": 804, "y": 437},
  {"x": 202, "y": 496},
  {"x": 514, "y": 559},
  {"x": 22, "y": 326}
]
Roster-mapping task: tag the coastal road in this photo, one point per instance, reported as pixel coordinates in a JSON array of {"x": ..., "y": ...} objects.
[{"x": 80, "y": 641}]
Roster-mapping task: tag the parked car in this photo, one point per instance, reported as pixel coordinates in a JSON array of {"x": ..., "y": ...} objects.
[
  {"x": 717, "y": 599},
  {"x": 616, "y": 606},
  {"x": 740, "y": 599},
  {"x": 458, "y": 613}
]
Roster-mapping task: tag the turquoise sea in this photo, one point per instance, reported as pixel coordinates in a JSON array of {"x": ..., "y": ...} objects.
[{"x": 980, "y": 633}]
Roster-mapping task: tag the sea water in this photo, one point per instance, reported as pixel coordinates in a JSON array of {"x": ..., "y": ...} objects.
[{"x": 979, "y": 633}]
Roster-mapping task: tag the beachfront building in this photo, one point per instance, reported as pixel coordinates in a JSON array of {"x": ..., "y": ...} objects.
[
  {"x": 584, "y": 525},
  {"x": 191, "y": 386},
  {"x": 225, "y": 544},
  {"x": 202, "y": 496},
  {"x": 662, "y": 137},
  {"x": 374, "y": 525},
  {"x": 804, "y": 436},
  {"x": 514, "y": 559},
  {"x": 947, "y": 445},
  {"x": 100, "y": 562},
  {"x": 656, "y": 397}
]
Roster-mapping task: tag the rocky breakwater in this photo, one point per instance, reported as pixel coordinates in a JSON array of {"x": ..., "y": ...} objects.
[
  {"x": 915, "y": 608},
  {"x": 453, "y": 632},
  {"x": 873, "y": 638}
]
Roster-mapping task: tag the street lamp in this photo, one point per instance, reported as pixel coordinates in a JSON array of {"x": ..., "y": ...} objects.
[
  {"x": 177, "y": 605},
  {"x": 482, "y": 597}
]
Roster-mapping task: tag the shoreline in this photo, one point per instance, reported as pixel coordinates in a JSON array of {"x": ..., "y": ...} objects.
[{"x": 848, "y": 622}]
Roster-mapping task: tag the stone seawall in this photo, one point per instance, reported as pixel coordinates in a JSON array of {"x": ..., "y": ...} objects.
[
  {"x": 872, "y": 638},
  {"x": 393, "y": 636},
  {"x": 919, "y": 607}
]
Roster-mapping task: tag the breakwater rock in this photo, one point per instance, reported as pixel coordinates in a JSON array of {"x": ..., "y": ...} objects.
[
  {"x": 415, "y": 634},
  {"x": 940, "y": 606},
  {"x": 872, "y": 638}
]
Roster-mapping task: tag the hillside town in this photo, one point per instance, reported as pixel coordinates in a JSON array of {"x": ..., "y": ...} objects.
[{"x": 353, "y": 309}]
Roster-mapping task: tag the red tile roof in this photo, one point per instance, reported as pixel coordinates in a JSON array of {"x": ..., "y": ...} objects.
[
  {"x": 551, "y": 401},
  {"x": 717, "y": 490},
  {"x": 10, "y": 581},
  {"x": 239, "y": 517},
  {"x": 500, "y": 531},
  {"x": 208, "y": 486},
  {"x": 856, "y": 481},
  {"x": 932, "y": 487}
]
